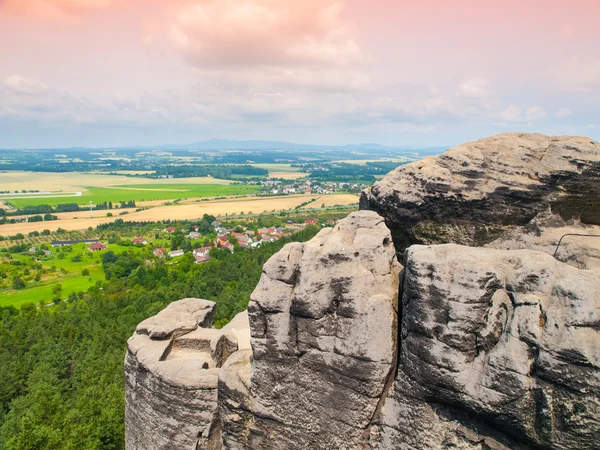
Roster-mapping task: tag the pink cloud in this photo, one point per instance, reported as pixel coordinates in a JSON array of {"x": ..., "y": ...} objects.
[
  {"x": 263, "y": 32},
  {"x": 54, "y": 9}
]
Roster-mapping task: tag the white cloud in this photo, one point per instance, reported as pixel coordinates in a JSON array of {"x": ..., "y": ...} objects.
[
  {"x": 561, "y": 113},
  {"x": 20, "y": 85},
  {"x": 513, "y": 114},
  {"x": 535, "y": 113},
  {"x": 474, "y": 88},
  {"x": 575, "y": 73}
]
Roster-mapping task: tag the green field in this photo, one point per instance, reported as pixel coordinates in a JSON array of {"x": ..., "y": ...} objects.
[
  {"x": 277, "y": 167},
  {"x": 140, "y": 192},
  {"x": 71, "y": 279}
]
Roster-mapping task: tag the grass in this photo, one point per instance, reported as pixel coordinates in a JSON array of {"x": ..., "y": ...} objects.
[
  {"x": 277, "y": 167},
  {"x": 141, "y": 192},
  {"x": 71, "y": 280}
]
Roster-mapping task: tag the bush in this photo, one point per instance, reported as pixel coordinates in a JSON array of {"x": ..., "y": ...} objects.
[
  {"x": 18, "y": 283},
  {"x": 85, "y": 272}
]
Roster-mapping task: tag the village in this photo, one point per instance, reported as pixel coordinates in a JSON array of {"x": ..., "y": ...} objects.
[{"x": 227, "y": 237}]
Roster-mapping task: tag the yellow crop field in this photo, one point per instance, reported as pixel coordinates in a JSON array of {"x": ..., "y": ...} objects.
[
  {"x": 288, "y": 175},
  {"x": 76, "y": 182},
  {"x": 246, "y": 205},
  {"x": 333, "y": 200}
]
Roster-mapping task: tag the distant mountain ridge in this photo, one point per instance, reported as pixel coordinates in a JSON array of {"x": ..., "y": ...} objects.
[{"x": 257, "y": 145}]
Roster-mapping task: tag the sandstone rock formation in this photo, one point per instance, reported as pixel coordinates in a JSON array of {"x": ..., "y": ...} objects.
[
  {"x": 323, "y": 320},
  {"x": 171, "y": 376},
  {"x": 475, "y": 192},
  {"x": 495, "y": 347},
  {"x": 503, "y": 347}
]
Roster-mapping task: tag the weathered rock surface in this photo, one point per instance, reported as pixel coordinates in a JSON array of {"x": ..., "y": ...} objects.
[
  {"x": 579, "y": 246},
  {"x": 489, "y": 348},
  {"x": 324, "y": 326},
  {"x": 510, "y": 340},
  {"x": 171, "y": 376},
  {"x": 475, "y": 192}
]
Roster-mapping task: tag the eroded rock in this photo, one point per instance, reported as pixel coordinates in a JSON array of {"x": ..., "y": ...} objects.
[
  {"x": 474, "y": 193},
  {"x": 324, "y": 326},
  {"x": 171, "y": 377},
  {"x": 512, "y": 338}
]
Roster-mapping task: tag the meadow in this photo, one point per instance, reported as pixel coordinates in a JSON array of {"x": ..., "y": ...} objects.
[
  {"x": 63, "y": 267},
  {"x": 139, "y": 193},
  {"x": 283, "y": 171}
]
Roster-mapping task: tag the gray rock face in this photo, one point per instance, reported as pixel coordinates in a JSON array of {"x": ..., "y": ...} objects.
[
  {"x": 474, "y": 193},
  {"x": 171, "y": 377},
  {"x": 511, "y": 338},
  {"x": 488, "y": 348},
  {"x": 324, "y": 326}
]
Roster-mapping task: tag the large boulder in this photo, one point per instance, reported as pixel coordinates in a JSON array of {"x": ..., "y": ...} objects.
[
  {"x": 507, "y": 339},
  {"x": 323, "y": 320},
  {"x": 171, "y": 377},
  {"x": 472, "y": 194}
]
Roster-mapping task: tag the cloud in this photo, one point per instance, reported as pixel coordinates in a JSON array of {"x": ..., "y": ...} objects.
[
  {"x": 54, "y": 9},
  {"x": 513, "y": 114},
  {"x": 474, "y": 88},
  {"x": 221, "y": 33},
  {"x": 562, "y": 113},
  {"x": 575, "y": 73},
  {"x": 19, "y": 85}
]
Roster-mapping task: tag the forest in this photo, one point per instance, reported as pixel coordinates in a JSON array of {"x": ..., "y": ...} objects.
[{"x": 61, "y": 377}]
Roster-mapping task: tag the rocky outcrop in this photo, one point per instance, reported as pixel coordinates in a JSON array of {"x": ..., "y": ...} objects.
[
  {"x": 495, "y": 347},
  {"x": 323, "y": 320},
  {"x": 474, "y": 193},
  {"x": 507, "y": 342},
  {"x": 171, "y": 376}
]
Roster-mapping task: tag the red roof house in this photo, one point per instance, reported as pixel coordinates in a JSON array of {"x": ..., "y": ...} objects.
[{"x": 96, "y": 247}]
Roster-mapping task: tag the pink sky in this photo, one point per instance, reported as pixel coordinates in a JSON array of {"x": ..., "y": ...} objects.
[{"x": 127, "y": 72}]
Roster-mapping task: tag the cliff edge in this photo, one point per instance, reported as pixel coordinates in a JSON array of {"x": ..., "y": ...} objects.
[{"x": 475, "y": 193}]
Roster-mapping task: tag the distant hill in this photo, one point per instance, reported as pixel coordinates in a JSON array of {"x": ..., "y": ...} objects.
[{"x": 253, "y": 146}]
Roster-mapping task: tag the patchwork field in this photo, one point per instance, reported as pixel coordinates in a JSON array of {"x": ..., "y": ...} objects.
[
  {"x": 247, "y": 205},
  {"x": 75, "y": 181},
  {"x": 137, "y": 193},
  {"x": 284, "y": 171},
  {"x": 333, "y": 200}
]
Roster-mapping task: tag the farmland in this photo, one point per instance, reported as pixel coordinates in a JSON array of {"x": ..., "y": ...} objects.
[
  {"x": 246, "y": 205},
  {"x": 138, "y": 193}
]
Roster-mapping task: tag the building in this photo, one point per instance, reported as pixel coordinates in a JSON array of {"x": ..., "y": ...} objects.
[
  {"x": 175, "y": 253},
  {"x": 65, "y": 243},
  {"x": 139, "y": 240},
  {"x": 202, "y": 259},
  {"x": 311, "y": 222},
  {"x": 170, "y": 230},
  {"x": 202, "y": 251},
  {"x": 160, "y": 252},
  {"x": 194, "y": 235},
  {"x": 96, "y": 247}
]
